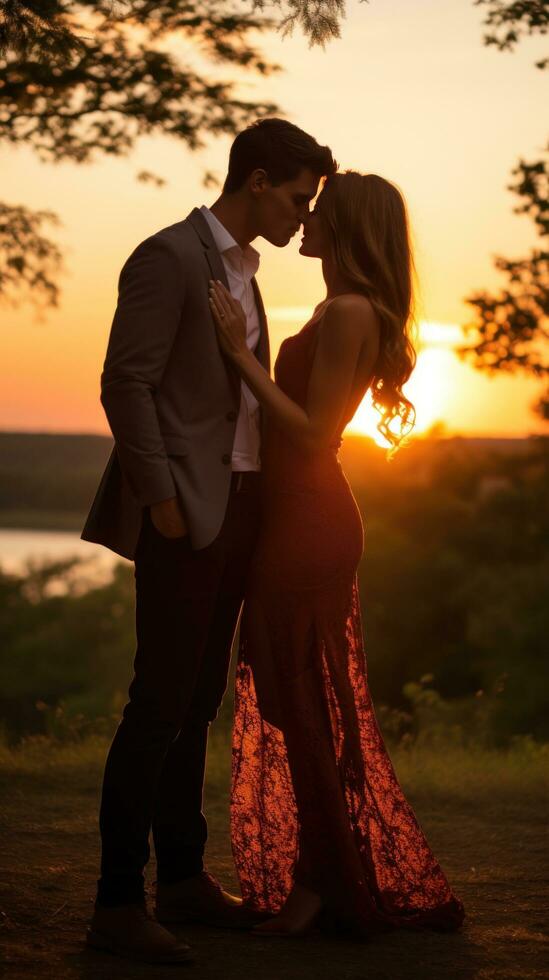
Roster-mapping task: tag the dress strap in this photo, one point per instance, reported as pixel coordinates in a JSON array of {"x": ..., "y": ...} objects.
[{"x": 320, "y": 308}]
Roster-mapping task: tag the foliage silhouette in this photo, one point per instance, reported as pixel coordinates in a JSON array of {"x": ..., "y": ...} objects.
[
  {"x": 511, "y": 328},
  {"x": 86, "y": 78},
  {"x": 453, "y": 585}
]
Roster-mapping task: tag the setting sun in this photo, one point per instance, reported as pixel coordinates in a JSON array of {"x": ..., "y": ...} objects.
[
  {"x": 442, "y": 388},
  {"x": 434, "y": 381}
]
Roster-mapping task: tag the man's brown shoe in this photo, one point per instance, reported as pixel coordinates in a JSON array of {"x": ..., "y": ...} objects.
[
  {"x": 128, "y": 931},
  {"x": 202, "y": 899}
]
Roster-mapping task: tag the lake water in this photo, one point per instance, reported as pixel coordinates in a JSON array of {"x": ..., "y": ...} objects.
[{"x": 18, "y": 547}]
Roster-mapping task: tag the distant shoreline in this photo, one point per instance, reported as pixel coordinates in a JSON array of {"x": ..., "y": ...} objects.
[
  {"x": 443, "y": 436},
  {"x": 36, "y": 520},
  {"x": 48, "y": 480}
]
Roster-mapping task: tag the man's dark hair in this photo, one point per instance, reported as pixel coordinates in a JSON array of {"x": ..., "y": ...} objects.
[{"x": 279, "y": 148}]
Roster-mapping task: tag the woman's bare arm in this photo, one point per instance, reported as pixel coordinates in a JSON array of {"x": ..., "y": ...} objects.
[{"x": 348, "y": 325}]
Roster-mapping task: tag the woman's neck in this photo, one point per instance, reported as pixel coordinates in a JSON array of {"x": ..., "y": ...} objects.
[{"x": 336, "y": 284}]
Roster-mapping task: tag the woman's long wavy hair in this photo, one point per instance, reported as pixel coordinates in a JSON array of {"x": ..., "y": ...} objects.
[{"x": 365, "y": 216}]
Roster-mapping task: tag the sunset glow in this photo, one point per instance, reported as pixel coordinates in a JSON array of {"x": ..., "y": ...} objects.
[
  {"x": 435, "y": 137},
  {"x": 445, "y": 390},
  {"x": 435, "y": 376}
]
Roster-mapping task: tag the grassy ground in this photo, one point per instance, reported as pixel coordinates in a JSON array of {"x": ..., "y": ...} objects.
[{"x": 484, "y": 814}]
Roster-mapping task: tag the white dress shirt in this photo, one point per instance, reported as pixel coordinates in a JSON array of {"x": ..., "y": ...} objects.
[{"x": 241, "y": 266}]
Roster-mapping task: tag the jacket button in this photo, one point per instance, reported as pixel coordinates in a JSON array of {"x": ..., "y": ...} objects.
[
  {"x": 231, "y": 416},
  {"x": 226, "y": 458}
]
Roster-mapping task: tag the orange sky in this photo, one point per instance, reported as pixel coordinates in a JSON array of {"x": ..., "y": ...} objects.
[{"x": 408, "y": 92}]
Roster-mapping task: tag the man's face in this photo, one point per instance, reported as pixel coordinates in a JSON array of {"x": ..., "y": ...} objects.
[{"x": 280, "y": 211}]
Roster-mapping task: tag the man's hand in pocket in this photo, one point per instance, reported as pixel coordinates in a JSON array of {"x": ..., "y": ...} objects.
[{"x": 168, "y": 519}]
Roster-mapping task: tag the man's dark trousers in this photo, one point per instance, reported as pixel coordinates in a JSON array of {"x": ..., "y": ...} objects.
[{"x": 187, "y": 607}]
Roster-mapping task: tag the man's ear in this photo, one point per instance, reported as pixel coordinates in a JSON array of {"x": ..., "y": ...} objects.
[{"x": 258, "y": 181}]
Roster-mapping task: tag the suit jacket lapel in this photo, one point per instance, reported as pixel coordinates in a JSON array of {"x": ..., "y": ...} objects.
[
  {"x": 217, "y": 270},
  {"x": 211, "y": 254},
  {"x": 262, "y": 350}
]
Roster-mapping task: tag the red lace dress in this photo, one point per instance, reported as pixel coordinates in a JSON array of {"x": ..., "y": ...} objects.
[{"x": 314, "y": 795}]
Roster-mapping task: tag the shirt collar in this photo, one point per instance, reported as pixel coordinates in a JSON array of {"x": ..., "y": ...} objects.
[{"x": 226, "y": 244}]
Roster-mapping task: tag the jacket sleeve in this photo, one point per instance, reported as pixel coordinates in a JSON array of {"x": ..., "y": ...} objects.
[{"x": 147, "y": 317}]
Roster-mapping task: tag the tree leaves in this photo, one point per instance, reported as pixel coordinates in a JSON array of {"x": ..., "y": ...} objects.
[
  {"x": 29, "y": 262},
  {"x": 508, "y": 22},
  {"x": 318, "y": 19},
  {"x": 80, "y": 79},
  {"x": 511, "y": 329},
  {"x": 118, "y": 83}
]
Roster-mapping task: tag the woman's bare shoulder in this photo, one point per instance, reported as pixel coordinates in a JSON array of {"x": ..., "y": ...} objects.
[{"x": 351, "y": 313}]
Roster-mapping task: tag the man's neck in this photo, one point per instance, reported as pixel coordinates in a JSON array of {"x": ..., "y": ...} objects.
[{"x": 231, "y": 211}]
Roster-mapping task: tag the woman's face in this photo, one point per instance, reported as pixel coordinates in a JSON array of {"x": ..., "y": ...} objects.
[{"x": 315, "y": 242}]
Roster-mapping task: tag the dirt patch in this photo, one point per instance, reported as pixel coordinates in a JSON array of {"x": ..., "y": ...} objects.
[{"x": 492, "y": 851}]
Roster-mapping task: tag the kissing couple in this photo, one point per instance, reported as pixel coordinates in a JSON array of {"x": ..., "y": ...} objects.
[{"x": 225, "y": 489}]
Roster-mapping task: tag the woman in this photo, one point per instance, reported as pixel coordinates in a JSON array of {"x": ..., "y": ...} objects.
[{"x": 320, "y": 825}]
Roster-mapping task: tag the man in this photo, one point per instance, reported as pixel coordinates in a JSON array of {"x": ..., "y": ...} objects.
[{"x": 180, "y": 496}]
